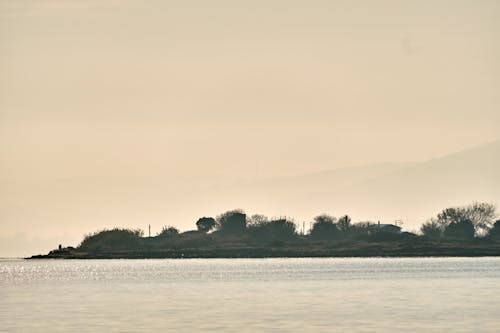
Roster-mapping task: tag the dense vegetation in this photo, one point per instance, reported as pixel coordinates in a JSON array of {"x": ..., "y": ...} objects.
[
  {"x": 467, "y": 230},
  {"x": 463, "y": 223}
]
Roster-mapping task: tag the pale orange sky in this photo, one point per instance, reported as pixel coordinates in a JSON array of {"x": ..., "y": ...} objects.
[{"x": 104, "y": 102}]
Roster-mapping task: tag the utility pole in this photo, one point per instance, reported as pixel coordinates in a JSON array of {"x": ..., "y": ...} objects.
[{"x": 149, "y": 231}]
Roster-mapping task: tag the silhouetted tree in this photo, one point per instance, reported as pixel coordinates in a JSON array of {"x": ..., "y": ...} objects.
[
  {"x": 205, "y": 224},
  {"x": 233, "y": 221},
  {"x": 344, "y": 223},
  {"x": 462, "y": 230},
  {"x": 324, "y": 227},
  {"x": 432, "y": 229},
  {"x": 480, "y": 214},
  {"x": 451, "y": 215},
  {"x": 257, "y": 219}
]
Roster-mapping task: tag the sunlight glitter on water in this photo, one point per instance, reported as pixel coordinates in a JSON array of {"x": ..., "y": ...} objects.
[{"x": 248, "y": 295}]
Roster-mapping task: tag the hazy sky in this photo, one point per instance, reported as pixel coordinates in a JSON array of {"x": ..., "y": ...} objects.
[{"x": 99, "y": 98}]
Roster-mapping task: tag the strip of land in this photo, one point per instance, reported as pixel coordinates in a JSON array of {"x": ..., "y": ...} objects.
[{"x": 324, "y": 249}]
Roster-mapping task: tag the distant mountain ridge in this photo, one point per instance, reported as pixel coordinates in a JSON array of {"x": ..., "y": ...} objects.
[{"x": 386, "y": 191}]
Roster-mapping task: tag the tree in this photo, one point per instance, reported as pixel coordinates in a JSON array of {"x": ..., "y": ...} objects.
[
  {"x": 257, "y": 219},
  {"x": 451, "y": 215},
  {"x": 344, "y": 223},
  {"x": 324, "y": 227},
  {"x": 462, "y": 230},
  {"x": 205, "y": 224},
  {"x": 480, "y": 214},
  {"x": 233, "y": 221}
]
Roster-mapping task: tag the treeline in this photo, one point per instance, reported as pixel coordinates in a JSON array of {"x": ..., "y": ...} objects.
[{"x": 471, "y": 223}]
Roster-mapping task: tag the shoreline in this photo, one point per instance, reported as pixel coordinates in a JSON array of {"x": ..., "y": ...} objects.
[{"x": 352, "y": 251}]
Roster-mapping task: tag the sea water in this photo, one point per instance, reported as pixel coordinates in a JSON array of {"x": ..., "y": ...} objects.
[{"x": 251, "y": 295}]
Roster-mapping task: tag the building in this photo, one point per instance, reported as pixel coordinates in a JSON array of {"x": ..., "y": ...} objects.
[{"x": 388, "y": 228}]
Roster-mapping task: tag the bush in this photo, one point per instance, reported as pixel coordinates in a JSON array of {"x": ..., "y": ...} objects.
[
  {"x": 115, "y": 239},
  {"x": 193, "y": 239},
  {"x": 324, "y": 227},
  {"x": 168, "y": 231},
  {"x": 280, "y": 230},
  {"x": 233, "y": 221}
]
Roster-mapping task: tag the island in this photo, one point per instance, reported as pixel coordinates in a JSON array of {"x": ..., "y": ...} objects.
[{"x": 456, "y": 231}]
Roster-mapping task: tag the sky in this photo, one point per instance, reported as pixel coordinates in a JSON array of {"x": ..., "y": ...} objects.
[{"x": 115, "y": 113}]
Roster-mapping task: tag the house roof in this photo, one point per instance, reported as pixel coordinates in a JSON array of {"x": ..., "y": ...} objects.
[{"x": 387, "y": 225}]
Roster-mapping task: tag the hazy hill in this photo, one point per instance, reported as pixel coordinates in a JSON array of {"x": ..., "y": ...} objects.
[{"x": 408, "y": 191}]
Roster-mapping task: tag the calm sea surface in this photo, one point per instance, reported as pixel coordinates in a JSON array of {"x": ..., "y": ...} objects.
[{"x": 251, "y": 295}]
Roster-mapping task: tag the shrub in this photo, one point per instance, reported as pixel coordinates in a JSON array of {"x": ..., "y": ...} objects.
[
  {"x": 233, "y": 221},
  {"x": 324, "y": 227},
  {"x": 281, "y": 229},
  {"x": 168, "y": 231},
  {"x": 115, "y": 239}
]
